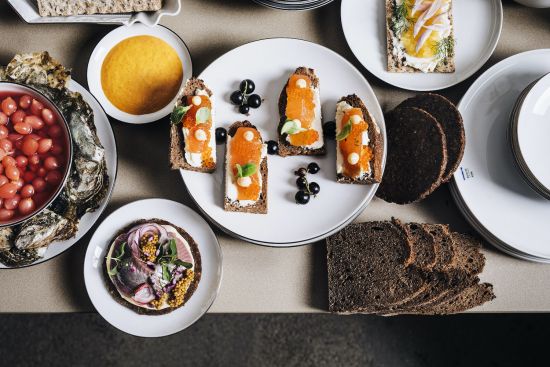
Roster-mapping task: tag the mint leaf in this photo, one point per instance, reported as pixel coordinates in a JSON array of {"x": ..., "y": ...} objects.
[
  {"x": 202, "y": 115},
  {"x": 178, "y": 113},
  {"x": 346, "y": 130},
  {"x": 247, "y": 170},
  {"x": 291, "y": 127}
]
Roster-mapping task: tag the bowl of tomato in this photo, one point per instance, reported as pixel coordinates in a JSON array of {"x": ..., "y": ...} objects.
[{"x": 36, "y": 152}]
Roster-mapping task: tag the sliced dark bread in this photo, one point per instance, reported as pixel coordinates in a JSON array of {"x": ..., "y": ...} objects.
[
  {"x": 473, "y": 296},
  {"x": 285, "y": 148},
  {"x": 177, "y": 142},
  {"x": 260, "y": 207},
  {"x": 376, "y": 143},
  {"x": 417, "y": 156},
  {"x": 443, "y": 244},
  {"x": 446, "y": 113},
  {"x": 367, "y": 268}
]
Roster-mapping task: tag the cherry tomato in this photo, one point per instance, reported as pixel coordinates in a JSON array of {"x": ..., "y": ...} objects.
[
  {"x": 12, "y": 203},
  {"x": 38, "y": 183},
  {"x": 44, "y": 145},
  {"x": 19, "y": 182},
  {"x": 9, "y": 106},
  {"x": 54, "y": 178},
  {"x": 4, "y": 132},
  {"x": 29, "y": 147},
  {"x": 51, "y": 163},
  {"x": 6, "y": 214},
  {"x": 28, "y": 176},
  {"x": 8, "y": 190},
  {"x": 26, "y": 206},
  {"x": 36, "y": 107},
  {"x": 23, "y": 128},
  {"x": 6, "y": 145},
  {"x": 3, "y": 180},
  {"x": 18, "y": 116},
  {"x": 25, "y": 101},
  {"x": 12, "y": 172},
  {"x": 3, "y": 118},
  {"x": 34, "y": 160},
  {"x": 15, "y": 137},
  {"x": 21, "y": 161},
  {"x": 35, "y": 136},
  {"x": 27, "y": 191},
  {"x": 8, "y": 161},
  {"x": 36, "y": 122},
  {"x": 55, "y": 131},
  {"x": 48, "y": 117}
]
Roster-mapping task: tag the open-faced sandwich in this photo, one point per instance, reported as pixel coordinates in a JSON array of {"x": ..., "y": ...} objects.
[
  {"x": 245, "y": 170},
  {"x": 359, "y": 144},
  {"x": 301, "y": 127},
  {"x": 77, "y": 7},
  {"x": 152, "y": 267},
  {"x": 420, "y": 36},
  {"x": 192, "y": 137}
]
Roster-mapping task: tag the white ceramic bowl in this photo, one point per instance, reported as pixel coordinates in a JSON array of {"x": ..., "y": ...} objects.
[{"x": 115, "y": 37}]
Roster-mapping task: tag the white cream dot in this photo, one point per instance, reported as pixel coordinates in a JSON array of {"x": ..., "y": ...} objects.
[
  {"x": 298, "y": 123},
  {"x": 301, "y": 83},
  {"x": 353, "y": 159},
  {"x": 356, "y": 119},
  {"x": 197, "y": 100},
  {"x": 244, "y": 181},
  {"x": 248, "y": 135},
  {"x": 200, "y": 135}
]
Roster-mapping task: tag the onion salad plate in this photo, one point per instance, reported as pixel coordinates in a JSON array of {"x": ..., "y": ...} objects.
[
  {"x": 128, "y": 320},
  {"x": 477, "y": 27},
  {"x": 107, "y": 139},
  {"x": 286, "y": 223},
  {"x": 488, "y": 186},
  {"x": 111, "y": 40}
]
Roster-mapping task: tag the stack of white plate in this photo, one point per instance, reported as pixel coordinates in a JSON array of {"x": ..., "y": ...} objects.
[
  {"x": 293, "y": 4},
  {"x": 488, "y": 188},
  {"x": 529, "y": 132}
]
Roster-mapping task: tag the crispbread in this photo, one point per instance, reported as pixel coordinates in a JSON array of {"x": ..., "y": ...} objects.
[
  {"x": 260, "y": 207},
  {"x": 376, "y": 142},
  {"x": 177, "y": 142},
  {"x": 417, "y": 156},
  {"x": 77, "y": 7},
  {"x": 285, "y": 148},
  {"x": 450, "y": 119}
]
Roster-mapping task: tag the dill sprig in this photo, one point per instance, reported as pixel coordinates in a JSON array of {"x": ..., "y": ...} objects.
[
  {"x": 400, "y": 18},
  {"x": 445, "y": 48}
]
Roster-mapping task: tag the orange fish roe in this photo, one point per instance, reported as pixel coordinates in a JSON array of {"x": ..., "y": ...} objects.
[
  {"x": 300, "y": 105},
  {"x": 353, "y": 143},
  {"x": 243, "y": 152}
]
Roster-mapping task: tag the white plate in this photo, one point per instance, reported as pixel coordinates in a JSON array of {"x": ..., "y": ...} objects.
[
  {"x": 124, "y": 318},
  {"x": 107, "y": 138},
  {"x": 113, "y": 38},
  {"x": 286, "y": 224},
  {"x": 533, "y": 131},
  {"x": 28, "y": 10},
  {"x": 477, "y": 27},
  {"x": 490, "y": 185}
]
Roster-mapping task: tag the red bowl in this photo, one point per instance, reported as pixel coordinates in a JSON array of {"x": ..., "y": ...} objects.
[{"x": 14, "y": 90}]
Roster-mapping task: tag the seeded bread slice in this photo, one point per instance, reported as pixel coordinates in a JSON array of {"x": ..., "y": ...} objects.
[
  {"x": 417, "y": 156},
  {"x": 285, "y": 148},
  {"x": 260, "y": 207},
  {"x": 177, "y": 142},
  {"x": 395, "y": 64},
  {"x": 375, "y": 142},
  {"x": 367, "y": 268},
  {"x": 76, "y": 7},
  {"x": 446, "y": 113}
]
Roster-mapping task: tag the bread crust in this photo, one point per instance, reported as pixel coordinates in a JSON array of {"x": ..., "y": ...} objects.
[
  {"x": 285, "y": 148},
  {"x": 376, "y": 142},
  {"x": 177, "y": 142},
  {"x": 260, "y": 207}
]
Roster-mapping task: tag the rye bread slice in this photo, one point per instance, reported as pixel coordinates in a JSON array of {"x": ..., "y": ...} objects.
[
  {"x": 395, "y": 64},
  {"x": 192, "y": 288},
  {"x": 285, "y": 148},
  {"x": 260, "y": 207},
  {"x": 473, "y": 296},
  {"x": 417, "y": 156},
  {"x": 177, "y": 142},
  {"x": 376, "y": 143},
  {"x": 450, "y": 119},
  {"x": 367, "y": 270}
]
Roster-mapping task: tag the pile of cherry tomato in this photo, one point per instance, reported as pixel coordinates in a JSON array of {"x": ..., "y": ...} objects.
[{"x": 33, "y": 155}]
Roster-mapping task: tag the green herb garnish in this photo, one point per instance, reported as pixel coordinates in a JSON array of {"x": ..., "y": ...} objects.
[
  {"x": 202, "y": 115},
  {"x": 173, "y": 248},
  {"x": 117, "y": 259},
  {"x": 445, "y": 48},
  {"x": 165, "y": 273},
  {"x": 178, "y": 113},
  {"x": 400, "y": 17},
  {"x": 291, "y": 127},
  {"x": 183, "y": 263},
  {"x": 244, "y": 171},
  {"x": 346, "y": 130}
]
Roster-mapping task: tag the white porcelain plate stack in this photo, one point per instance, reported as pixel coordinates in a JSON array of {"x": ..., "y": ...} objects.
[
  {"x": 294, "y": 4},
  {"x": 489, "y": 188}
]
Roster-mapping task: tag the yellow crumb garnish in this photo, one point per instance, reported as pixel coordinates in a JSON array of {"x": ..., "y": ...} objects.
[
  {"x": 180, "y": 289},
  {"x": 149, "y": 246},
  {"x": 157, "y": 303}
]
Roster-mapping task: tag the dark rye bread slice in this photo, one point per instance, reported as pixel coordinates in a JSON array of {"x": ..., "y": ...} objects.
[
  {"x": 376, "y": 143},
  {"x": 450, "y": 119},
  {"x": 177, "y": 142},
  {"x": 285, "y": 148},
  {"x": 417, "y": 156},
  {"x": 261, "y": 205},
  {"x": 367, "y": 269},
  {"x": 396, "y": 65},
  {"x": 473, "y": 296},
  {"x": 192, "y": 288}
]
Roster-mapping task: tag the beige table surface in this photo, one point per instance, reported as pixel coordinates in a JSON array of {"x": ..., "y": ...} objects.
[{"x": 255, "y": 279}]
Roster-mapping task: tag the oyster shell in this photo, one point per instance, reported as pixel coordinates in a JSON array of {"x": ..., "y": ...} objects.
[{"x": 88, "y": 180}]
